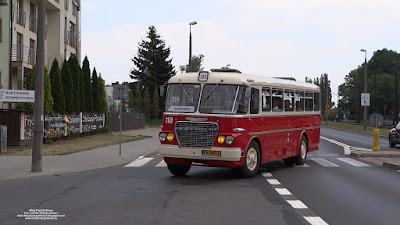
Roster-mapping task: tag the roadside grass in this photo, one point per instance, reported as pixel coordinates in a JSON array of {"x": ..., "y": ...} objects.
[
  {"x": 358, "y": 127},
  {"x": 79, "y": 144}
]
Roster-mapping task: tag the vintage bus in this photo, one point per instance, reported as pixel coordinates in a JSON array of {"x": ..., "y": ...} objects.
[{"x": 225, "y": 118}]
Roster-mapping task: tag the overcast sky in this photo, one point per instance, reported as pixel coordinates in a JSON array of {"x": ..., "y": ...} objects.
[{"x": 262, "y": 37}]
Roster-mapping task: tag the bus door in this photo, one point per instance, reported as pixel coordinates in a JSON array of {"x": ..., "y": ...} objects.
[{"x": 289, "y": 140}]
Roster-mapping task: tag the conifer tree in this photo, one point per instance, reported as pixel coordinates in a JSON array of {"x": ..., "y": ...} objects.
[
  {"x": 76, "y": 81},
  {"x": 102, "y": 95},
  {"x": 146, "y": 103},
  {"x": 155, "y": 111},
  {"x": 88, "y": 85},
  {"x": 95, "y": 93},
  {"x": 66, "y": 79},
  {"x": 138, "y": 100},
  {"x": 151, "y": 65},
  {"x": 57, "y": 90},
  {"x": 47, "y": 98}
]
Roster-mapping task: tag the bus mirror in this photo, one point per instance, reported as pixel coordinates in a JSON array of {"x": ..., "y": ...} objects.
[
  {"x": 247, "y": 93},
  {"x": 162, "y": 90}
]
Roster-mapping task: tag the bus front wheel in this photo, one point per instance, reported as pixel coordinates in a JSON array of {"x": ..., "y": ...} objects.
[
  {"x": 301, "y": 157},
  {"x": 252, "y": 161},
  {"x": 178, "y": 170}
]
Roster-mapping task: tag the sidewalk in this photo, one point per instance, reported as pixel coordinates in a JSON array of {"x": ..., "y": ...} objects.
[
  {"x": 389, "y": 159},
  {"x": 14, "y": 167}
]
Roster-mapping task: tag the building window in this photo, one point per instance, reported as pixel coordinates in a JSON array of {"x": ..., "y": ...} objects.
[
  {"x": 32, "y": 18},
  {"x": 72, "y": 35},
  {"x": 32, "y": 52},
  {"x": 21, "y": 15},
  {"x": 20, "y": 47},
  {"x": 66, "y": 5},
  {"x": 1, "y": 30}
]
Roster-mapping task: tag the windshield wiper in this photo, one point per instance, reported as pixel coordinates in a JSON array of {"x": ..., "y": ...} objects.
[
  {"x": 184, "y": 90},
  {"x": 212, "y": 91}
]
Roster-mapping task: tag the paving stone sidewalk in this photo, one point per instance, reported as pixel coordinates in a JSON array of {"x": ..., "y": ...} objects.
[{"x": 14, "y": 167}]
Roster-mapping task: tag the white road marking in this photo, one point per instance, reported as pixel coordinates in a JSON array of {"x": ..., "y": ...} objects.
[
  {"x": 265, "y": 174},
  {"x": 297, "y": 204},
  {"x": 283, "y": 191},
  {"x": 346, "y": 148},
  {"x": 162, "y": 164},
  {"x": 353, "y": 162},
  {"x": 273, "y": 181},
  {"x": 315, "y": 220},
  {"x": 323, "y": 162},
  {"x": 139, "y": 162},
  {"x": 304, "y": 165},
  {"x": 327, "y": 155}
]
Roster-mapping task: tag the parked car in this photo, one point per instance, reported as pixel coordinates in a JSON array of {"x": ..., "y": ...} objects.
[{"x": 394, "y": 135}]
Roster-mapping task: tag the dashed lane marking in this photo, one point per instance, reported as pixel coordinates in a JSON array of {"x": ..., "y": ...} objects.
[
  {"x": 139, "y": 162},
  {"x": 162, "y": 164},
  {"x": 273, "y": 181},
  {"x": 283, "y": 191},
  {"x": 297, "y": 204},
  {"x": 323, "y": 162},
  {"x": 353, "y": 162},
  {"x": 315, "y": 220}
]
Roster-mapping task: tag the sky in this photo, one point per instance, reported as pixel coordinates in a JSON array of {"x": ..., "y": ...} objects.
[{"x": 287, "y": 38}]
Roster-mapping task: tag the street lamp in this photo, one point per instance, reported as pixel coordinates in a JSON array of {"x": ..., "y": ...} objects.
[
  {"x": 190, "y": 45},
  {"x": 365, "y": 87}
]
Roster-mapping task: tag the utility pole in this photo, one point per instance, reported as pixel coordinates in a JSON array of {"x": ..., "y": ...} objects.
[{"x": 39, "y": 89}]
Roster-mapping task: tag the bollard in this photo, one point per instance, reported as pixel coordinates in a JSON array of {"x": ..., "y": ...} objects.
[{"x": 376, "y": 140}]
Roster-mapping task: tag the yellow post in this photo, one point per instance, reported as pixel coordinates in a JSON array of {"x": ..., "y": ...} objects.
[{"x": 376, "y": 140}]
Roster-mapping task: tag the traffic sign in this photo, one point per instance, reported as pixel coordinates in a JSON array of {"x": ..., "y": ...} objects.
[{"x": 365, "y": 99}]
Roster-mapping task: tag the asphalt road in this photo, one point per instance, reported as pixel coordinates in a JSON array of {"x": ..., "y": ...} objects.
[{"x": 335, "y": 187}]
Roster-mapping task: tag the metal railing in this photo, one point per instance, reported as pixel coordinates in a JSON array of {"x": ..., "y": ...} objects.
[
  {"x": 24, "y": 54},
  {"x": 33, "y": 22},
  {"x": 21, "y": 16}
]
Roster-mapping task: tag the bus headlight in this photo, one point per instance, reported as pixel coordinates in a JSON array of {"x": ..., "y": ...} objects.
[
  {"x": 170, "y": 137},
  {"x": 221, "y": 139},
  {"x": 229, "y": 140},
  {"x": 163, "y": 136}
]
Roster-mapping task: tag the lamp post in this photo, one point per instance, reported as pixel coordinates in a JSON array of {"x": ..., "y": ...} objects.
[
  {"x": 190, "y": 45},
  {"x": 365, "y": 87}
]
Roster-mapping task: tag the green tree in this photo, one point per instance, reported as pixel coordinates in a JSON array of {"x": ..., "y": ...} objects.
[
  {"x": 87, "y": 84},
  {"x": 155, "y": 109},
  {"x": 66, "y": 79},
  {"x": 146, "y": 103},
  {"x": 95, "y": 92},
  {"x": 152, "y": 65},
  {"x": 57, "y": 90},
  {"x": 197, "y": 61},
  {"x": 138, "y": 100},
  {"x": 77, "y": 82},
  {"x": 102, "y": 95},
  {"x": 48, "y": 102}
]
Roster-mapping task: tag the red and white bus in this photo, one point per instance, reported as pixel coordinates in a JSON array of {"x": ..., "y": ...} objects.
[{"x": 225, "y": 118}]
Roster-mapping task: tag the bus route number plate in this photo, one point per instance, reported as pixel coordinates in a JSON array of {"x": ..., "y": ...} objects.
[
  {"x": 209, "y": 152},
  {"x": 203, "y": 76}
]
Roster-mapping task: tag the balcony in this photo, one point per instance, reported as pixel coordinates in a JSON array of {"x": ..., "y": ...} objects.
[
  {"x": 72, "y": 39},
  {"x": 33, "y": 24},
  {"x": 21, "y": 17},
  {"x": 24, "y": 54}
]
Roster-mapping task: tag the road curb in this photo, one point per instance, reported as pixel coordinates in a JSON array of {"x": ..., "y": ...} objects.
[{"x": 392, "y": 165}]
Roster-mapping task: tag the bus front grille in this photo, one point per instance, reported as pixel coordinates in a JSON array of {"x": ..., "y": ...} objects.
[{"x": 196, "y": 134}]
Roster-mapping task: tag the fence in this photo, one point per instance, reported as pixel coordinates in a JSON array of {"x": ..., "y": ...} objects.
[{"x": 130, "y": 121}]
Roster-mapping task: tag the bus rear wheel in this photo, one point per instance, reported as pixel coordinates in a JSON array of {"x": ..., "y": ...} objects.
[
  {"x": 252, "y": 161},
  {"x": 178, "y": 170},
  {"x": 301, "y": 157}
]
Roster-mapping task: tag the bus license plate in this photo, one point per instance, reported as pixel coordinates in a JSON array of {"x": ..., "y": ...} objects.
[{"x": 209, "y": 152}]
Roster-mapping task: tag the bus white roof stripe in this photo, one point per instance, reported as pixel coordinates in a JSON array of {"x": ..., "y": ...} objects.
[{"x": 240, "y": 78}]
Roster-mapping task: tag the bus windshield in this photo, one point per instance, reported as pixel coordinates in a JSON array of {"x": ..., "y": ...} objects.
[
  {"x": 182, "y": 97},
  {"x": 223, "y": 99}
]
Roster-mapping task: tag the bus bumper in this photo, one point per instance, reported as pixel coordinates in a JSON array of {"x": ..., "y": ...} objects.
[{"x": 227, "y": 154}]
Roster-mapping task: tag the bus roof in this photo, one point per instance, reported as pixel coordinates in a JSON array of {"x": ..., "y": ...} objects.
[{"x": 240, "y": 78}]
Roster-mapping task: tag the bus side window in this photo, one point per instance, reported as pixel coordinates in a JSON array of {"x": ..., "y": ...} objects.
[
  {"x": 316, "y": 101},
  {"x": 309, "y": 101},
  {"x": 255, "y": 101},
  {"x": 277, "y": 100},
  {"x": 289, "y": 100},
  {"x": 299, "y": 98},
  {"x": 266, "y": 99}
]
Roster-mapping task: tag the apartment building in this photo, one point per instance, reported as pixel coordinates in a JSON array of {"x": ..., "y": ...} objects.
[
  {"x": 4, "y": 43},
  {"x": 62, "y": 35}
]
